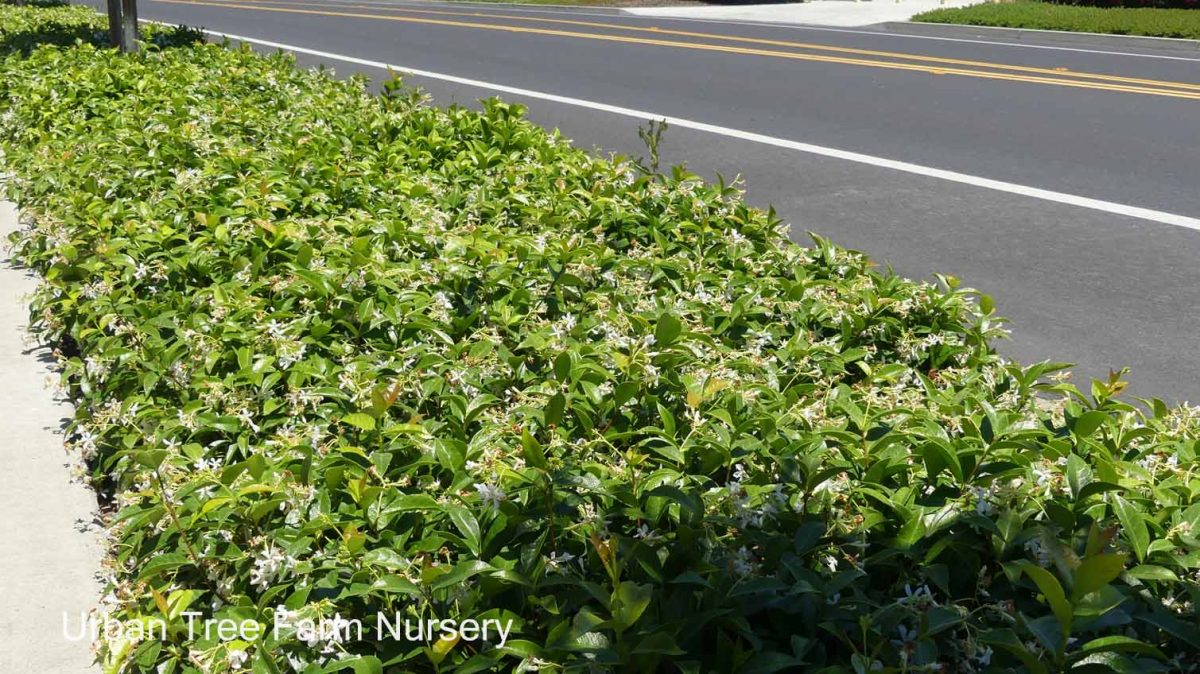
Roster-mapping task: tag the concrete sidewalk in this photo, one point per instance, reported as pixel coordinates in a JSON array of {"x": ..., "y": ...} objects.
[
  {"x": 843, "y": 13},
  {"x": 49, "y": 551}
]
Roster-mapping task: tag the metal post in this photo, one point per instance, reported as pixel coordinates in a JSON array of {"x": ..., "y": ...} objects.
[{"x": 129, "y": 33}]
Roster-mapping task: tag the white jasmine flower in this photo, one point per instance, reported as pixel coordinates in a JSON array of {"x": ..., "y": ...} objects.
[
  {"x": 982, "y": 505},
  {"x": 1034, "y": 547},
  {"x": 645, "y": 533},
  {"x": 557, "y": 560},
  {"x": 236, "y": 658},
  {"x": 906, "y": 642},
  {"x": 491, "y": 494},
  {"x": 203, "y": 464},
  {"x": 743, "y": 562},
  {"x": 921, "y": 597},
  {"x": 86, "y": 442},
  {"x": 269, "y": 563}
]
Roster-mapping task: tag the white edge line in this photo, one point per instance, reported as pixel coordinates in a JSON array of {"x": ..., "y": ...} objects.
[
  {"x": 485, "y": 7},
  {"x": 870, "y": 160}
]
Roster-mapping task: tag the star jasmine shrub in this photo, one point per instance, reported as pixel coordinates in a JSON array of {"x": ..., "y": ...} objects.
[{"x": 337, "y": 355}]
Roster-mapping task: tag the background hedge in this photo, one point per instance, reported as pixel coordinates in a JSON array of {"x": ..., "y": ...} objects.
[
  {"x": 1162, "y": 4},
  {"x": 1144, "y": 21}
]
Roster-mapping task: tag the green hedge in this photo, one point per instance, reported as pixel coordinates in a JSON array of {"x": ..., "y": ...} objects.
[
  {"x": 24, "y": 28},
  {"x": 1167, "y": 4},
  {"x": 1177, "y": 23},
  {"x": 342, "y": 354},
  {"x": 36, "y": 3}
]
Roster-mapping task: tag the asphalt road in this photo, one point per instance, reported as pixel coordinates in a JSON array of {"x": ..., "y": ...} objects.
[{"x": 1108, "y": 119}]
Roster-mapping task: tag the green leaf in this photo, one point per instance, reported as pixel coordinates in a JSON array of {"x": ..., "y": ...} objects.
[
  {"x": 522, "y": 648},
  {"x": 213, "y": 503},
  {"x": 398, "y": 585},
  {"x": 912, "y": 530},
  {"x": 562, "y": 366},
  {"x": 1133, "y": 526},
  {"x": 264, "y": 664},
  {"x": 151, "y": 458},
  {"x": 368, "y": 664},
  {"x": 774, "y": 661},
  {"x": 1094, "y": 488},
  {"x": 625, "y": 392},
  {"x": 937, "y": 457},
  {"x": 1093, "y": 606},
  {"x": 1118, "y": 643},
  {"x": 942, "y": 618},
  {"x": 179, "y": 601},
  {"x": 1088, "y": 422},
  {"x": 659, "y": 643},
  {"x": 1048, "y": 631},
  {"x": 462, "y": 571},
  {"x": 360, "y": 420},
  {"x": 466, "y": 523},
  {"x": 1095, "y": 572},
  {"x": 553, "y": 414},
  {"x": 532, "y": 451},
  {"x": 385, "y": 557},
  {"x": 667, "y": 330},
  {"x": 807, "y": 536},
  {"x": 408, "y": 502},
  {"x": 1153, "y": 572},
  {"x": 628, "y": 603},
  {"x": 1007, "y": 640},
  {"x": 161, "y": 564},
  {"x": 1079, "y": 475},
  {"x": 442, "y": 647},
  {"x": 1185, "y": 632},
  {"x": 1050, "y": 588}
]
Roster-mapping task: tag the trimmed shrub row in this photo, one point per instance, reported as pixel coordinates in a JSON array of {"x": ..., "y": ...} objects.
[
  {"x": 1164, "y": 4},
  {"x": 1176, "y": 23},
  {"x": 336, "y": 354},
  {"x": 55, "y": 24}
]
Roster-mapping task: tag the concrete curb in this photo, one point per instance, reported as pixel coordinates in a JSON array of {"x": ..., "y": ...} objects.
[
  {"x": 833, "y": 13},
  {"x": 50, "y": 553}
]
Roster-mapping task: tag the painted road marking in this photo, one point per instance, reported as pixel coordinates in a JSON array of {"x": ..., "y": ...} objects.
[
  {"x": 1059, "y": 72},
  {"x": 834, "y": 153},
  {"x": 1056, "y": 81},
  {"x": 579, "y": 11}
]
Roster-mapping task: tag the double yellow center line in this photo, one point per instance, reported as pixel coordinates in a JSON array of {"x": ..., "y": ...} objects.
[{"x": 714, "y": 42}]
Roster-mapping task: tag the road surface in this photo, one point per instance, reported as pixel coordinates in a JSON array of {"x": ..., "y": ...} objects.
[{"x": 1059, "y": 174}]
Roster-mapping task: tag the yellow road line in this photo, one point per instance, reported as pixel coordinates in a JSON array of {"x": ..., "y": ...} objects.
[
  {"x": 1056, "y": 72},
  {"x": 714, "y": 48}
]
